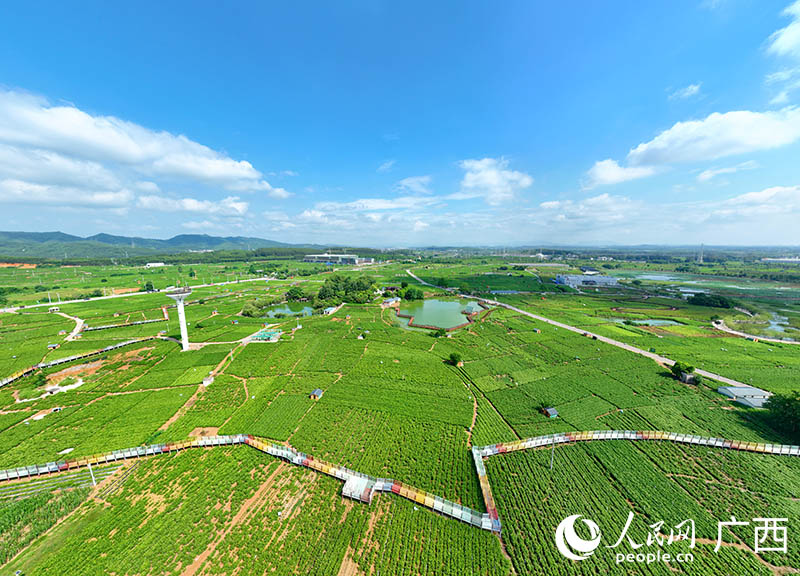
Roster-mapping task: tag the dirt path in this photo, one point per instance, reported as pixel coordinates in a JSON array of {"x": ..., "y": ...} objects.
[
  {"x": 79, "y": 324},
  {"x": 244, "y": 511},
  {"x": 183, "y": 409}
]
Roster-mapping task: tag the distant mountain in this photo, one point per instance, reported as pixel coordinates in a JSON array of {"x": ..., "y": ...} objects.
[{"x": 58, "y": 245}]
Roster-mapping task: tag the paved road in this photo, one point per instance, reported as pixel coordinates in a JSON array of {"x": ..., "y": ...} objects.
[
  {"x": 652, "y": 355},
  {"x": 126, "y": 295},
  {"x": 720, "y": 325}
]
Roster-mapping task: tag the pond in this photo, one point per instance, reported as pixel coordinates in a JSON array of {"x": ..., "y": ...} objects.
[
  {"x": 439, "y": 313},
  {"x": 289, "y": 309},
  {"x": 649, "y": 322}
]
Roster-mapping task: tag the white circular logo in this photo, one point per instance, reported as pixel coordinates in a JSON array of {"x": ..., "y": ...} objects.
[{"x": 573, "y": 546}]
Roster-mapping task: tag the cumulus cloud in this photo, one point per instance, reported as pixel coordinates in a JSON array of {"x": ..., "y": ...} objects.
[
  {"x": 717, "y": 136},
  {"x": 686, "y": 92},
  {"x": 711, "y": 173},
  {"x": 93, "y": 157},
  {"x": 230, "y": 206},
  {"x": 491, "y": 179},
  {"x": 607, "y": 172},
  {"x": 21, "y": 192},
  {"x": 774, "y": 200}
]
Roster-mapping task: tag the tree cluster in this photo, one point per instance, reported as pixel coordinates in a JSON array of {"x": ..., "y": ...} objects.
[{"x": 784, "y": 413}]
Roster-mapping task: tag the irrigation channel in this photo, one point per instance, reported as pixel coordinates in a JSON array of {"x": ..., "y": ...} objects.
[{"x": 362, "y": 487}]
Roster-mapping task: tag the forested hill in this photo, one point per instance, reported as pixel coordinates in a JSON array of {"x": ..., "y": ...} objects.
[{"x": 57, "y": 245}]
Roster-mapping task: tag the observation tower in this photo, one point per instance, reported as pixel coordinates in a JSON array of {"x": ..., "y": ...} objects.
[{"x": 179, "y": 296}]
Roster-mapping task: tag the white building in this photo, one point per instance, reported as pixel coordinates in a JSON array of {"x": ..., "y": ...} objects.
[
  {"x": 154, "y": 265},
  {"x": 746, "y": 395},
  {"x": 341, "y": 259},
  {"x": 585, "y": 280}
]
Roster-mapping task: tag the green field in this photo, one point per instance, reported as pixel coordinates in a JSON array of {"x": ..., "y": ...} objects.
[{"x": 394, "y": 406}]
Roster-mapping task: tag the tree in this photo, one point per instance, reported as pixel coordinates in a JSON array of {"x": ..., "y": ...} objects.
[
  {"x": 679, "y": 367},
  {"x": 403, "y": 284},
  {"x": 192, "y": 273},
  {"x": 338, "y": 289},
  {"x": 711, "y": 300},
  {"x": 251, "y": 310},
  {"x": 454, "y": 359},
  {"x": 784, "y": 413},
  {"x": 440, "y": 333},
  {"x": 295, "y": 293},
  {"x": 40, "y": 379},
  {"x": 148, "y": 287},
  {"x": 413, "y": 294}
]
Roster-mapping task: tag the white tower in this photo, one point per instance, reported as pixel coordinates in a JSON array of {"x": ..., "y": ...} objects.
[{"x": 179, "y": 296}]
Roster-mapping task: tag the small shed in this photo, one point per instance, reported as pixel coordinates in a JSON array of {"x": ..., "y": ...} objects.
[
  {"x": 550, "y": 412},
  {"x": 688, "y": 378},
  {"x": 316, "y": 394}
]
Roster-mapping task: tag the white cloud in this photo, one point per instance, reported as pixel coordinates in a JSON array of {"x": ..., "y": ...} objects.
[
  {"x": 780, "y": 98},
  {"x": 686, "y": 92},
  {"x": 230, "y": 206},
  {"x": 786, "y": 41},
  {"x": 607, "y": 172},
  {"x": 44, "y": 166},
  {"x": 490, "y": 179},
  {"x": 204, "y": 225},
  {"x": 317, "y": 216},
  {"x": 21, "y": 192},
  {"x": 386, "y": 166},
  {"x": 711, "y": 173},
  {"x": 550, "y": 204},
  {"x": 373, "y": 204},
  {"x": 719, "y": 135},
  {"x": 420, "y": 226},
  {"x": 63, "y": 145},
  {"x": 415, "y": 184}
]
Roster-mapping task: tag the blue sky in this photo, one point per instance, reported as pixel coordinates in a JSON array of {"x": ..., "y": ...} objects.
[{"x": 404, "y": 124}]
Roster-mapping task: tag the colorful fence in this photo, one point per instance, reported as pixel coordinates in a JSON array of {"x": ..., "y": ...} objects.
[
  {"x": 357, "y": 486},
  {"x": 363, "y": 487},
  {"x": 479, "y": 453},
  {"x": 550, "y": 439},
  {"x": 19, "y": 374},
  {"x": 123, "y": 325}
]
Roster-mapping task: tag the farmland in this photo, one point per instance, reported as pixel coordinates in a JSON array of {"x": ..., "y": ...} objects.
[{"x": 394, "y": 406}]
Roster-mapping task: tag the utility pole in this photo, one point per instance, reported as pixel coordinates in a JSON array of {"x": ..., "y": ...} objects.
[{"x": 553, "y": 451}]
